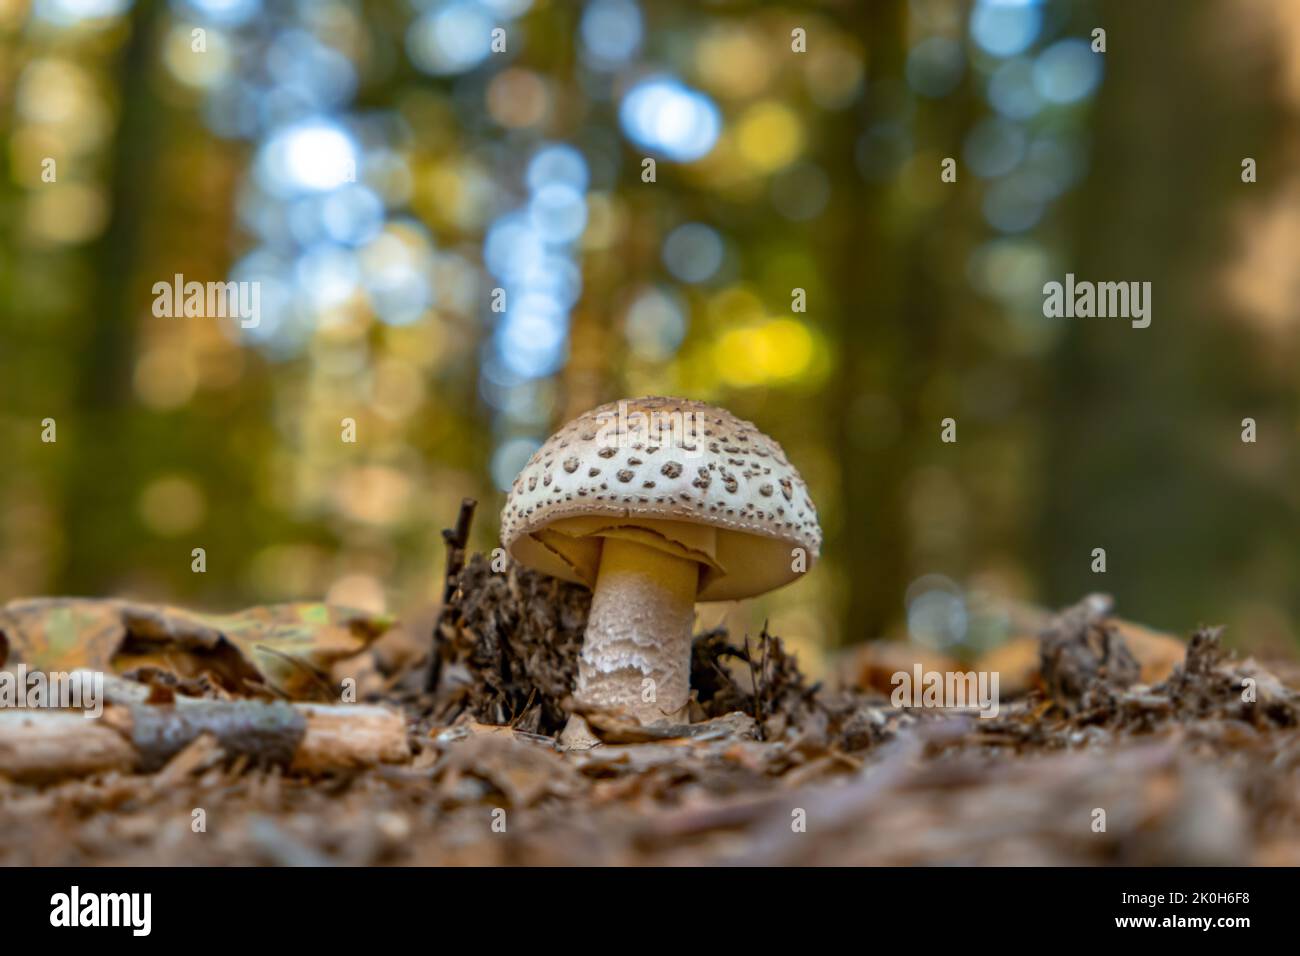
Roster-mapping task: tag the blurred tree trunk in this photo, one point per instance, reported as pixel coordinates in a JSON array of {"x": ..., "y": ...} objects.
[
  {"x": 870, "y": 347},
  {"x": 1145, "y": 457},
  {"x": 896, "y": 337},
  {"x": 95, "y": 493}
]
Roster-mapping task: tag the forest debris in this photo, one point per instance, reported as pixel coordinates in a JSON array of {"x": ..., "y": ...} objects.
[
  {"x": 1016, "y": 662},
  {"x": 60, "y": 634},
  {"x": 518, "y": 633},
  {"x": 307, "y": 738},
  {"x": 1206, "y": 824},
  {"x": 199, "y": 754},
  {"x": 455, "y": 540},
  {"x": 1157, "y": 654},
  {"x": 1162, "y": 806},
  {"x": 833, "y": 809},
  {"x": 40, "y": 745},
  {"x": 1208, "y": 684},
  {"x": 267, "y": 732},
  {"x": 1082, "y": 651},
  {"x": 284, "y": 649},
  {"x": 472, "y": 728},
  {"x": 769, "y": 686},
  {"x": 577, "y": 735},
  {"x": 347, "y": 736},
  {"x": 614, "y": 728},
  {"x": 276, "y": 846},
  {"x": 673, "y": 756},
  {"x": 858, "y": 725},
  {"x": 1187, "y": 769},
  {"x": 1017, "y": 659},
  {"x": 735, "y": 813},
  {"x": 523, "y": 773},
  {"x": 872, "y": 666}
]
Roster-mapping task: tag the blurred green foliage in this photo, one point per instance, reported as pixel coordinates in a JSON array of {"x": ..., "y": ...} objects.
[{"x": 797, "y": 258}]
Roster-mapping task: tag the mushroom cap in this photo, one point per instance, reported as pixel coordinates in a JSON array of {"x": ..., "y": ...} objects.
[{"x": 681, "y": 475}]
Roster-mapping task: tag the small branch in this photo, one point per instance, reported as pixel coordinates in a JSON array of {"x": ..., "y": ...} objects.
[
  {"x": 753, "y": 683},
  {"x": 456, "y": 540},
  {"x": 310, "y": 738}
]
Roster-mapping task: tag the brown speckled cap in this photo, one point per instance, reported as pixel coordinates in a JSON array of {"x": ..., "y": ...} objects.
[{"x": 674, "y": 473}]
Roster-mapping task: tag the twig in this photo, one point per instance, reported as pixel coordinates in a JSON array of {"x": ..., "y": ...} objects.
[
  {"x": 456, "y": 540},
  {"x": 753, "y": 683},
  {"x": 532, "y": 693},
  {"x": 312, "y": 738}
]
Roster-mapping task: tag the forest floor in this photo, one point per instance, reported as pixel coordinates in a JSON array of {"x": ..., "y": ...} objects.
[{"x": 1088, "y": 766}]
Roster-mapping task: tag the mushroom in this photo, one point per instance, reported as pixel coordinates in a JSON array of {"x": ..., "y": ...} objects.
[{"x": 655, "y": 503}]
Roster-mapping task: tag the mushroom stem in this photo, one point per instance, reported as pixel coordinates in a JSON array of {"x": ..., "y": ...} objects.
[{"x": 636, "y": 655}]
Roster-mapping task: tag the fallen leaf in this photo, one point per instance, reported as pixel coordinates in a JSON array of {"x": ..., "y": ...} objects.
[
  {"x": 284, "y": 649},
  {"x": 1017, "y": 660},
  {"x": 1156, "y": 653},
  {"x": 60, "y": 634},
  {"x": 1015, "y": 663},
  {"x": 872, "y": 666},
  {"x": 522, "y": 772}
]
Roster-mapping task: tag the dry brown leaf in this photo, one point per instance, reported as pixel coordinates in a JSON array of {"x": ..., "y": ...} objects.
[
  {"x": 872, "y": 666},
  {"x": 1016, "y": 661},
  {"x": 284, "y": 649}
]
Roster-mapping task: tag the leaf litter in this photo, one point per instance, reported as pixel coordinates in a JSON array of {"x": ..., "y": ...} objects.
[{"x": 1201, "y": 766}]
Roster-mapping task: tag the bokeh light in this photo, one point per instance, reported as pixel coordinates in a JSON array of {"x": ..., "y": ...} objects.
[
  {"x": 450, "y": 37},
  {"x": 228, "y": 13},
  {"x": 509, "y": 459},
  {"x": 994, "y": 147},
  {"x": 1011, "y": 90},
  {"x": 67, "y": 13},
  {"x": 655, "y": 324},
  {"x": 668, "y": 118},
  {"x": 693, "y": 252},
  {"x": 769, "y": 136},
  {"x": 773, "y": 350},
  {"x": 1067, "y": 71},
  {"x": 611, "y": 32},
  {"x": 937, "y": 615},
  {"x": 1005, "y": 27},
  {"x": 311, "y": 156}
]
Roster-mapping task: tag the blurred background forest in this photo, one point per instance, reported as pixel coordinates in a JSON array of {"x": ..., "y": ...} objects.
[{"x": 228, "y": 153}]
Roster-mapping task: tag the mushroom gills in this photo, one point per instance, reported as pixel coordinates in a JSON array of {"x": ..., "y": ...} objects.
[
  {"x": 636, "y": 655},
  {"x": 735, "y": 564}
]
